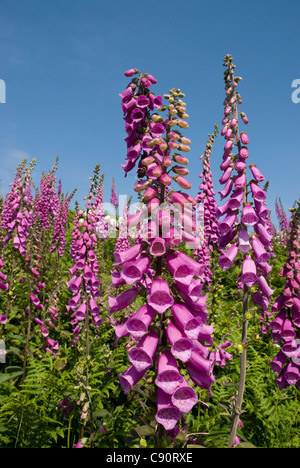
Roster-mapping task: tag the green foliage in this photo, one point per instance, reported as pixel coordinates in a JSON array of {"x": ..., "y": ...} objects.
[{"x": 32, "y": 388}]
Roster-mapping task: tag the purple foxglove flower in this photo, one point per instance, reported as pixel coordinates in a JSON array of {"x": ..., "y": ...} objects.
[
  {"x": 206, "y": 334},
  {"x": 173, "y": 237},
  {"x": 236, "y": 199},
  {"x": 134, "y": 271},
  {"x": 264, "y": 287},
  {"x": 227, "y": 189},
  {"x": 184, "y": 397},
  {"x": 120, "y": 331},
  {"x": 53, "y": 344},
  {"x": 81, "y": 312},
  {"x": 167, "y": 414},
  {"x": 123, "y": 300},
  {"x": 240, "y": 181},
  {"x": 131, "y": 72},
  {"x": 240, "y": 166},
  {"x": 141, "y": 356},
  {"x": 249, "y": 216},
  {"x": 129, "y": 378},
  {"x": 190, "y": 324},
  {"x": 244, "y": 243},
  {"x": 127, "y": 255},
  {"x": 278, "y": 362},
  {"x": 257, "y": 193},
  {"x": 244, "y": 138},
  {"x": 226, "y": 176},
  {"x": 45, "y": 331},
  {"x": 259, "y": 251},
  {"x": 289, "y": 348},
  {"x": 160, "y": 296},
  {"x": 168, "y": 376},
  {"x": 35, "y": 300},
  {"x": 200, "y": 363},
  {"x": 158, "y": 247},
  {"x": 150, "y": 231},
  {"x": 226, "y": 260},
  {"x": 138, "y": 324},
  {"x": 258, "y": 176},
  {"x": 223, "y": 241},
  {"x": 249, "y": 276},
  {"x": 182, "y": 267},
  {"x": 264, "y": 236},
  {"x": 292, "y": 373},
  {"x": 287, "y": 331},
  {"x": 3, "y": 319},
  {"x": 38, "y": 321},
  {"x": 277, "y": 324},
  {"x": 199, "y": 378},
  {"x": 74, "y": 284},
  {"x": 94, "y": 308},
  {"x": 181, "y": 345},
  {"x": 261, "y": 209},
  {"x": 226, "y": 225}
]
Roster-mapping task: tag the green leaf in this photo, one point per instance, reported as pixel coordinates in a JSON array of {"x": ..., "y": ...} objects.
[{"x": 6, "y": 377}]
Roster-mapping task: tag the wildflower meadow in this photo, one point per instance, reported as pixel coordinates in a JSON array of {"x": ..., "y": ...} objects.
[{"x": 171, "y": 322}]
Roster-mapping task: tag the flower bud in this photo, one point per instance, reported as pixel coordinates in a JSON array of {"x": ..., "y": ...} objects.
[
  {"x": 180, "y": 170},
  {"x": 166, "y": 179},
  {"x": 181, "y": 159},
  {"x": 182, "y": 182}
]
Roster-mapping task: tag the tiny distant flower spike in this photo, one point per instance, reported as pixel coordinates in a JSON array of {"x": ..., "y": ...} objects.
[
  {"x": 84, "y": 305},
  {"x": 166, "y": 332},
  {"x": 285, "y": 325},
  {"x": 207, "y": 212},
  {"x": 284, "y": 224}
]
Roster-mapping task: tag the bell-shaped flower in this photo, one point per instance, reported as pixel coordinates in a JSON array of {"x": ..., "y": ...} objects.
[
  {"x": 141, "y": 356},
  {"x": 249, "y": 217},
  {"x": 160, "y": 296},
  {"x": 158, "y": 247},
  {"x": 249, "y": 272},
  {"x": 278, "y": 362},
  {"x": 292, "y": 373},
  {"x": 128, "y": 255},
  {"x": 138, "y": 324},
  {"x": 190, "y": 324},
  {"x": 244, "y": 243},
  {"x": 182, "y": 346},
  {"x": 123, "y": 300},
  {"x": 227, "y": 259},
  {"x": 167, "y": 414},
  {"x": 129, "y": 378},
  {"x": 264, "y": 287},
  {"x": 168, "y": 375},
  {"x": 201, "y": 379},
  {"x": 261, "y": 255},
  {"x": 134, "y": 271},
  {"x": 184, "y": 397}
]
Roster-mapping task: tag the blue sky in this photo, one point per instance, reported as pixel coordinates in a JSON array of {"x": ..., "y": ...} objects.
[{"x": 63, "y": 63}]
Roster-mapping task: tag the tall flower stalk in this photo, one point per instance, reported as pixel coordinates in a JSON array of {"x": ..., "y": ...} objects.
[
  {"x": 170, "y": 328},
  {"x": 244, "y": 228},
  {"x": 286, "y": 324}
]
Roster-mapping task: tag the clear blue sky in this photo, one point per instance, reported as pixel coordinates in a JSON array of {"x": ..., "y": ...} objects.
[{"x": 63, "y": 63}]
